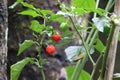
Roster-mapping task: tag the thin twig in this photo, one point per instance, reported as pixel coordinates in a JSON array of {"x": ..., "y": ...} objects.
[{"x": 94, "y": 67}]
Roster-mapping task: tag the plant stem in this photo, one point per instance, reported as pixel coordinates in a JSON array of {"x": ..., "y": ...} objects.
[
  {"x": 77, "y": 71},
  {"x": 113, "y": 45},
  {"x": 43, "y": 74},
  {"x": 106, "y": 53},
  {"x": 111, "y": 5},
  {"x": 80, "y": 64},
  {"x": 87, "y": 41},
  {"x": 40, "y": 62},
  {"x": 40, "y": 43},
  {"x": 94, "y": 67},
  {"x": 85, "y": 46},
  {"x": 96, "y": 32},
  {"x": 97, "y": 4},
  {"x": 90, "y": 35},
  {"x": 108, "y": 5},
  {"x": 94, "y": 36}
]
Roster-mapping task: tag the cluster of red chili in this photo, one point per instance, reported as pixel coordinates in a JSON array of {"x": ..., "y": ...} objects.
[{"x": 50, "y": 49}]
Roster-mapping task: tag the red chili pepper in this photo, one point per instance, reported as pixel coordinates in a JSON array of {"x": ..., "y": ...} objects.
[
  {"x": 56, "y": 37},
  {"x": 50, "y": 49}
]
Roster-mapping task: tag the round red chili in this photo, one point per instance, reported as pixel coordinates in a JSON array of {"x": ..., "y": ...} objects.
[
  {"x": 50, "y": 49},
  {"x": 56, "y": 37}
]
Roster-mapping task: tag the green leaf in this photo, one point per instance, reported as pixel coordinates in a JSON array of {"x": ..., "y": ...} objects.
[
  {"x": 67, "y": 33},
  {"x": 17, "y": 68},
  {"x": 19, "y": 1},
  {"x": 57, "y": 18},
  {"x": 106, "y": 30},
  {"x": 119, "y": 37},
  {"x": 79, "y": 11},
  {"x": 46, "y": 12},
  {"x": 70, "y": 70},
  {"x": 64, "y": 42},
  {"x": 63, "y": 7},
  {"x": 99, "y": 46},
  {"x": 25, "y": 4},
  {"x": 99, "y": 11},
  {"x": 85, "y": 4},
  {"x": 35, "y": 26},
  {"x": 83, "y": 76},
  {"x": 26, "y": 44},
  {"x": 29, "y": 12}
]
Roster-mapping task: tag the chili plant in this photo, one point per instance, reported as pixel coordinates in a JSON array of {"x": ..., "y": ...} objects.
[
  {"x": 68, "y": 16},
  {"x": 44, "y": 34}
]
